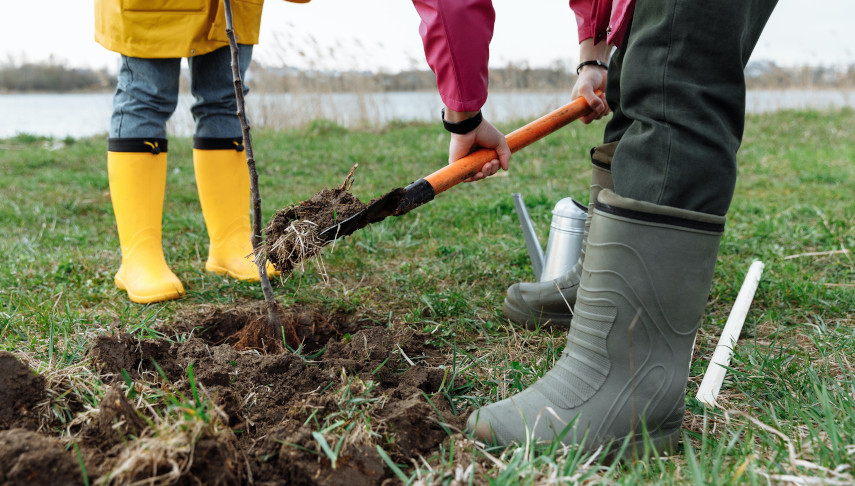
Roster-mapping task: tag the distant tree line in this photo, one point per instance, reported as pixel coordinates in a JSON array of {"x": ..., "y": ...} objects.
[
  {"x": 768, "y": 75},
  {"x": 508, "y": 78},
  {"x": 558, "y": 77},
  {"x": 53, "y": 77}
]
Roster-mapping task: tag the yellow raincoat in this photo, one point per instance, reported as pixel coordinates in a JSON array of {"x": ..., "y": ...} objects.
[{"x": 157, "y": 29}]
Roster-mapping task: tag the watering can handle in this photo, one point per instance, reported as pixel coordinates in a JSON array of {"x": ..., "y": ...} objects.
[{"x": 468, "y": 166}]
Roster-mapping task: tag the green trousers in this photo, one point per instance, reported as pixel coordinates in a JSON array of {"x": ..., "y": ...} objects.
[{"x": 677, "y": 90}]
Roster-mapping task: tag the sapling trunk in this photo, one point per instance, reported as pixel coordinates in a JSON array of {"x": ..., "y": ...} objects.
[{"x": 266, "y": 288}]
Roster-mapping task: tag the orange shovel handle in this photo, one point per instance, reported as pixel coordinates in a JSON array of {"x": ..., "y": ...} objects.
[{"x": 468, "y": 166}]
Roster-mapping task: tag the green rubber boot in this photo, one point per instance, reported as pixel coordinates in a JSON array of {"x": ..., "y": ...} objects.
[
  {"x": 545, "y": 304},
  {"x": 645, "y": 283}
]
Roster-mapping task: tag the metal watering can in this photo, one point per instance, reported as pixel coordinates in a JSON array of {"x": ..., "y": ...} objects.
[{"x": 565, "y": 238}]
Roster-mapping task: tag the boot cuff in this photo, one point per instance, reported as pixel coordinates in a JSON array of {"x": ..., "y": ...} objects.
[
  {"x": 150, "y": 145},
  {"x": 610, "y": 203},
  {"x": 209, "y": 143},
  {"x": 602, "y": 155}
]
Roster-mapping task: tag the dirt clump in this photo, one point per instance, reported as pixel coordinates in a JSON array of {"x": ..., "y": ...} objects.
[
  {"x": 177, "y": 453},
  {"x": 355, "y": 465},
  {"x": 114, "y": 353},
  {"x": 117, "y": 420},
  {"x": 20, "y": 391},
  {"x": 215, "y": 462},
  {"x": 30, "y": 458},
  {"x": 405, "y": 418},
  {"x": 293, "y": 234}
]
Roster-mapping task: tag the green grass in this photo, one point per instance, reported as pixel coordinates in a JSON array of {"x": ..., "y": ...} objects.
[{"x": 789, "y": 402}]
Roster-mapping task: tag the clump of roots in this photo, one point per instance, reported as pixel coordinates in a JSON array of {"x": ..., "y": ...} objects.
[
  {"x": 189, "y": 444},
  {"x": 260, "y": 334},
  {"x": 297, "y": 243},
  {"x": 292, "y": 236}
]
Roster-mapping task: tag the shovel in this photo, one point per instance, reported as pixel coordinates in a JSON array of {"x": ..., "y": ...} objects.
[{"x": 404, "y": 199}]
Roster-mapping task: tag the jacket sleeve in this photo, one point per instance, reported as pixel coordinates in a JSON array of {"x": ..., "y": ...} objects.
[
  {"x": 456, "y": 36},
  {"x": 592, "y": 18}
]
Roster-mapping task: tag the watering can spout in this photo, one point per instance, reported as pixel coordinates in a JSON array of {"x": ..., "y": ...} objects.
[
  {"x": 535, "y": 252},
  {"x": 565, "y": 238}
]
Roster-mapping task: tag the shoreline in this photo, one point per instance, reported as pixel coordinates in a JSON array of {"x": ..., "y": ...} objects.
[{"x": 80, "y": 115}]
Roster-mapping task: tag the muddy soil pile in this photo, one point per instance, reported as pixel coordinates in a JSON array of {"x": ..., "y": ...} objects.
[
  {"x": 30, "y": 458},
  {"x": 355, "y": 386},
  {"x": 21, "y": 390},
  {"x": 27, "y": 457},
  {"x": 293, "y": 234}
]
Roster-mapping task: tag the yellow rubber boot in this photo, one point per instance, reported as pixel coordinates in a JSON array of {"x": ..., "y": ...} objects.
[
  {"x": 222, "y": 179},
  {"x": 137, "y": 188}
]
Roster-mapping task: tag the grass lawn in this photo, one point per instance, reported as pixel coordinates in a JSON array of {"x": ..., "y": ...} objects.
[{"x": 788, "y": 404}]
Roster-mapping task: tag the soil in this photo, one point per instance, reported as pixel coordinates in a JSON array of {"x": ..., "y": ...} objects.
[
  {"x": 269, "y": 402},
  {"x": 293, "y": 234},
  {"x": 20, "y": 391},
  {"x": 30, "y": 458}
]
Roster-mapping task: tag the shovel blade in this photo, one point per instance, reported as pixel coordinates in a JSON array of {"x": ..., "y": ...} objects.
[{"x": 377, "y": 210}]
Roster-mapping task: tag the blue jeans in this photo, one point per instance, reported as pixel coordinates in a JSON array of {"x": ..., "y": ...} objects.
[{"x": 147, "y": 94}]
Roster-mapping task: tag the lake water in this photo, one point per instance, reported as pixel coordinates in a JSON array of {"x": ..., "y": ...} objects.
[{"x": 81, "y": 115}]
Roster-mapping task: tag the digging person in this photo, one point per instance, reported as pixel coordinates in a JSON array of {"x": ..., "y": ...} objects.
[
  {"x": 152, "y": 39},
  {"x": 662, "y": 183}
]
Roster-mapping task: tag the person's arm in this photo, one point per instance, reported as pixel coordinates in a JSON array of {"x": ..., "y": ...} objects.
[
  {"x": 456, "y": 35},
  {"x": 592, "y": 78},
  {"x": 592, "y": 17},
  {"x": 485, "y": 135}
]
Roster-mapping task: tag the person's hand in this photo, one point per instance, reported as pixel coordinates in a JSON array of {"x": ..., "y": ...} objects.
[
  {"x": 484, "y": 136},
  {"x": 591, "y": 79}
]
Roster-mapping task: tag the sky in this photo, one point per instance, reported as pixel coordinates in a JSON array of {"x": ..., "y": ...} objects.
[{"x": 383, "y": 34}]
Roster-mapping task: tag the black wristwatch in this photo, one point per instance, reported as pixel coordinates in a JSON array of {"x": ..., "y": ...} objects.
[{"x": 462, "y": 127}]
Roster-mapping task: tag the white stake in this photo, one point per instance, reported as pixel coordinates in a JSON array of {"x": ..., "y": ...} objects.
[{"x": 713, "y": 378}]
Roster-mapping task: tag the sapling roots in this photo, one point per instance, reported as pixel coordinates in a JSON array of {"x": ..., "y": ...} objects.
[{"x": 292, "y": 236}]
